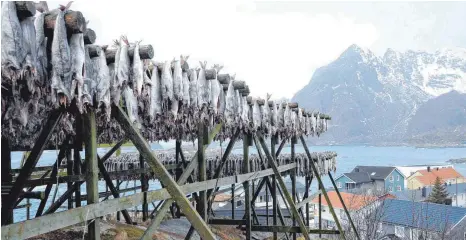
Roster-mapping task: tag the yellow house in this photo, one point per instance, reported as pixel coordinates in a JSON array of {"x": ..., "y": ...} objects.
[{"x": 425, "y": 178}]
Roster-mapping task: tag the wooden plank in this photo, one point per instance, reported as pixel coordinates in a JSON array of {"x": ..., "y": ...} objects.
[
  {"x": 201, "y": 207},
  {"x": 92, "y": 169},
  {"x": 282, "y": 185},
  {"x": 51, "y": 222},
  {"x": 33, "y": 158},
  {"x": 246, "y": 187},
  {"x": 177, "y": 194},
  {"x": 289, "y": 229},
  {"x": 231, "y": 222},
  {"x": 7, "y": 177}
]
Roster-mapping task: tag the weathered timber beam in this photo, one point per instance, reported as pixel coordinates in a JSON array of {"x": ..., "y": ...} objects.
[
  {"x": 25, "y": 9},
  {"x": 183, "y": 178},
  {"x": 237, "y": 85},
  {"x": 107, "y": 194},
  {"x": 210, "y": 74},
  {"x": 224, "y": 78},
  {"x": 282, "y": 185},
  {"x": 33, "y": 158},
  {"x": 51, "y": 222},
  {"x": 94, "y": 50},
  {"x": 89, "y": 36},
  {"x": 232, "y": 222},
  {"x": 164, "y": 177},
  {"x": 289, "y": 229},
  {"x": 74, "y": 22},
  {"x": 145, "y": 52}
]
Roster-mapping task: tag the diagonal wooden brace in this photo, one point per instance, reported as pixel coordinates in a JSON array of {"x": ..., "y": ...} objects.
[
  {"x": 182, "y": 180},
  {"x": 282, "y": 185}
]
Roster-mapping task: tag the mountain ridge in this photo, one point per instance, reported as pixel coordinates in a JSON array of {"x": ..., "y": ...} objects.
[{"x": 372, "y": 99}]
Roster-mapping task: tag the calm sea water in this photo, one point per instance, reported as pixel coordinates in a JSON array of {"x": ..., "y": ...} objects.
[{"x": 348, "y": 158}]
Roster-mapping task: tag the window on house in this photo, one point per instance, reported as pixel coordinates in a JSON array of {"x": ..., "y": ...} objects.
[
  {"x": 260, "y": 198},
  {"x": 239, "y": 203},
  {"x": 338, "y": 184},
  {"x": 399, "y": 231},
  {"x": 391, "y": 178},
  {"x": 390, "y": 189},
  {"x": 398, "y": 178},
  {"x": 398, "y": 188}
]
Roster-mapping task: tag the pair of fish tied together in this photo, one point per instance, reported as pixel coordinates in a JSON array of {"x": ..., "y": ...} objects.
[{"x": 325, "y": 162}]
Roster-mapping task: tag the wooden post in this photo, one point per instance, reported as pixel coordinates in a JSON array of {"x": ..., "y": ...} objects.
[
  {"x": 92, "y": 170},
  {"x": 118, "y": 189},
  {"x": 293, "y": 180},
  {"x": 232, "y": 201},
  {"x": 69, "y": 172},
  {"x": 320, "y": 210},
  {"x": 178, "y": 171},
  {"x": 7, "y": 179},
  {"x": 322, "y": 188},
  {"x": 247, "y": 189},
  {"x": 77, "y": 157},
  {"x": 267, "y": 205},
  {"x": 144, "y": 188},
  {"x": 274, "y": 188},
  {"x": 202, "y": 166}
]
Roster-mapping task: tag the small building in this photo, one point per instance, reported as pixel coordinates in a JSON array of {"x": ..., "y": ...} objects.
[
  {"x": 401, "y": 219},
  {"x": 425, "y": 178},
  {"x": 372, "y": 179},
  {"x": 353, "y": 202},
  {"x": 409, "y": 170},
  {"x": 456, "y": 194}
]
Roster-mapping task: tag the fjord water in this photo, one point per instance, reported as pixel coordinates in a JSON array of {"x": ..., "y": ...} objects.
[{"x": 348, "y": 158}]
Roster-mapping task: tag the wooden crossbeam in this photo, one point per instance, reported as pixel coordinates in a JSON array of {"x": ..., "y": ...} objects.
[
  {"x": 289, "y": 229},
  {"x": 173, "y": 188}
]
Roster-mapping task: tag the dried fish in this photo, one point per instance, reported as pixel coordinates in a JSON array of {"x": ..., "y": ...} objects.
[
  {"x": 256, "y": 116},
  {"x": 186, "y": 90},
  {"x": 287, "y": 119},
  {"x": 131, "y": 104},
  {"x": 167, "y": 82},
  {"x": 61, "y": 60},
  {"x": 29, "y": 72},
  {"x": 77, "y": 65},
  {"x": 103, "y": 85},
  {"x": 177, "y": 80},
  {"x": 123, "y": 67},
  {"x": 115, "y": 87},
  {"x": 138, "y": 71},
  {"x": 275, "y": 122},
  {"x": 245, "y": 113},
  {"x": 230, "y": 111},
  {"x": 12, "y": 38},
  {"x": 193, "y": 91},
  {"x": 41, "y": 45},
  {"x": 155, "y": 95},
  {"x": 202, "y": 87}
]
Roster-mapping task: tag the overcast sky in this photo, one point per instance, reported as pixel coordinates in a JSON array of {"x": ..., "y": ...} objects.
[{"x": 274, "y": 46}]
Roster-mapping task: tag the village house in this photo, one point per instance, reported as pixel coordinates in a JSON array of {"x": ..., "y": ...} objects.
[
  {"x": 402, "y": 219},
  {"x": 425, "y": 178},
  {"x": 371, "y": 179},
  {"x": 409, "y": 170},
  {"x": 353, "y": 202}
]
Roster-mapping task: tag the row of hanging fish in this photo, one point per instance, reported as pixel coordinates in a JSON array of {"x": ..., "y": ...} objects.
[
  {"x": 325, "y": 162},
  {"x": 31, "y": 87}
]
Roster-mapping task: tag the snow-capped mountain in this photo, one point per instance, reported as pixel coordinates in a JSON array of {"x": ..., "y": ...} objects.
[{"x": 373, "y": 98}]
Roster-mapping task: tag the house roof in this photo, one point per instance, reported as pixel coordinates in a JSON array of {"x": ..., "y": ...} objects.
[
  {"x": 423, "y": 215},
  {"x": 358, "y": 177},
  {"x": 352, "y": 201},
  {"x": 375, "y": 172},
  {"x": 428, "y": 177}
]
